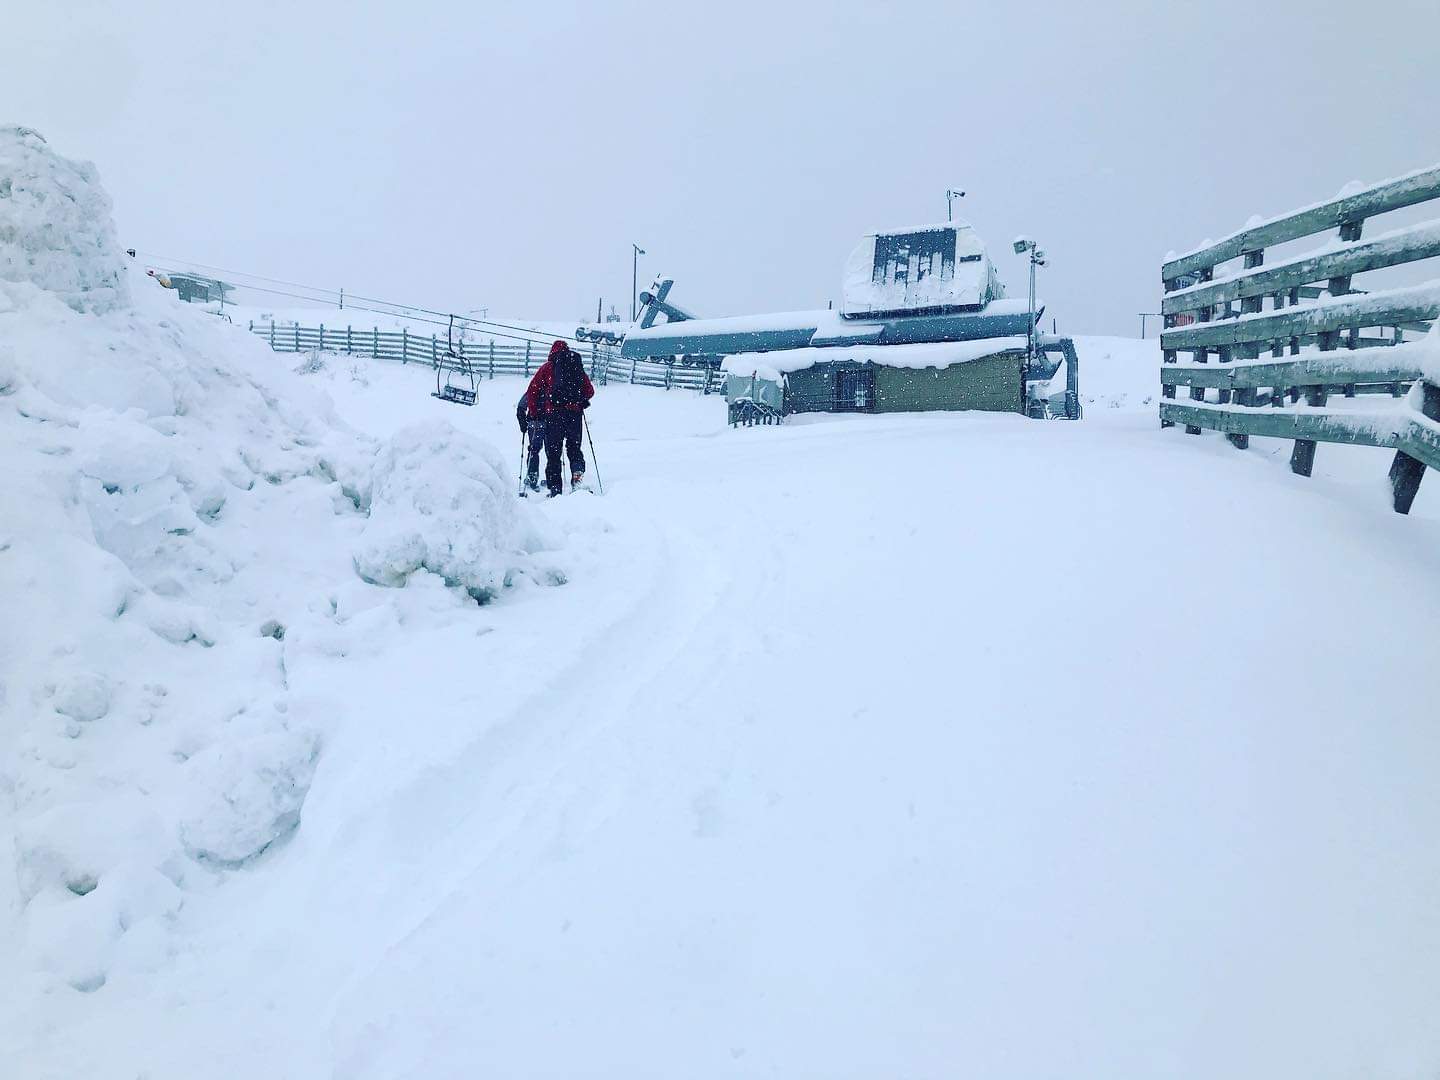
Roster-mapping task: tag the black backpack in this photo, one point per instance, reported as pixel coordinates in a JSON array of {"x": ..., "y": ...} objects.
[{"x": 567, "y": 388}]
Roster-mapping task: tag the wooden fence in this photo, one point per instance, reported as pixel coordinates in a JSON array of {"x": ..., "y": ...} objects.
[
  {"x": 486, "y": 358},
  {"x": 1322, "y": 335}
]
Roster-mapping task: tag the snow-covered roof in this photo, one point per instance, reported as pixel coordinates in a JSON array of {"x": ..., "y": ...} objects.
[
  {"x": 926, "y": 267},
  {"x": 940, "y": 354},
  {"x": 824, "y": 319}
]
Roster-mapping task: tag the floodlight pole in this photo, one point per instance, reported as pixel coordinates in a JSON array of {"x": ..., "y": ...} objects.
[
  {"x": 1030, "y": 357},
  {"x": 950, "y": 196}
]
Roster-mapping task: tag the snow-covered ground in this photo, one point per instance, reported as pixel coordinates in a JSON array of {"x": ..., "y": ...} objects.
[{"x": 931, "y": 745}]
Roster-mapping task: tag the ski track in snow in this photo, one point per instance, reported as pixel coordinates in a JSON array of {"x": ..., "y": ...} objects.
[{"x": 897, "y": 745}]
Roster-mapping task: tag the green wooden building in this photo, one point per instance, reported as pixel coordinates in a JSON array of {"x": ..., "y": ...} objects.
[{"x": 983, "y": 375}]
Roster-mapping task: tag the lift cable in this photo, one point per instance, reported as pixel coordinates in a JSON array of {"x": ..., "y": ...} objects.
[{"x": 333, "y": 295}]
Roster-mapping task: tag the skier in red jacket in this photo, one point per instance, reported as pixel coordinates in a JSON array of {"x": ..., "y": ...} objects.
[{"x": 559, "y": 393}]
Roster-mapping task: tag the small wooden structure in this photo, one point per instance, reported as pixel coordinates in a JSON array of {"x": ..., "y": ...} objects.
[
  {"x": 1320, "y": 340},
  {"x": 992, "y": 383}
]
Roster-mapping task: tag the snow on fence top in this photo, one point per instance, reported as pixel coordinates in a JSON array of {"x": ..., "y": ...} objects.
[
  {"x": 1350, "y": 206},
  {"x": 56, "y": 231},
  {"x": 1199, "y": 303},
  {"x": 1334, "y": 258}
]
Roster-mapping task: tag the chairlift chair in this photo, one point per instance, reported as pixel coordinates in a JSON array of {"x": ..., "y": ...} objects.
[{"x": 452, "y": 373}]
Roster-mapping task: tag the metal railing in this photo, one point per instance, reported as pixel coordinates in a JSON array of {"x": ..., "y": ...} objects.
[
  {"x": 486, "y": 358},
  {"x": 1320, "y": 340}
]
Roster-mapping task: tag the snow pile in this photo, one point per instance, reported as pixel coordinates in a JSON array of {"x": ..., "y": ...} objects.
[
  {"x": 176, "y": 533},
  {"x": 55, "y": 228},
  {"x": 443, "y": 501},
  {"x": 145, "y": 721}
]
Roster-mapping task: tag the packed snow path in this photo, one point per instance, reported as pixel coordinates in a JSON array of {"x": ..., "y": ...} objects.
[{"x": 875, "y": 746}]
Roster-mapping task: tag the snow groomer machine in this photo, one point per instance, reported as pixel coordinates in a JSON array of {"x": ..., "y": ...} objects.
[{"x": 923, "y": 324}]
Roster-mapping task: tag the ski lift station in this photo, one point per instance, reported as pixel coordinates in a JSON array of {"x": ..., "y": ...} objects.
[{"x": 923, "y": 324}]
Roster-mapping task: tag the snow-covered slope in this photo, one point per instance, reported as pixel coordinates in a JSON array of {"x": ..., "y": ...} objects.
[
  {"x": 864, "y": 745},
  {"x": 1118, "y": 373},
  {"x": 921, "y": 746},
  {"x": 177, "y": 537}
]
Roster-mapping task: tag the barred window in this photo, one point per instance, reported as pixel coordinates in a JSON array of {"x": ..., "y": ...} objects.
[{"x": 901, "y": 258}]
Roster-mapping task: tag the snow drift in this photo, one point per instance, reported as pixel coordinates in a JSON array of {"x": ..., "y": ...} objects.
[
  {"x": 55, "y": 228},
  {"x": 176, "y": 535},
  {"x": 443, "y": 502}
]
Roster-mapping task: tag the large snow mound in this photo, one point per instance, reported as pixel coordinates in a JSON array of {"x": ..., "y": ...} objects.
[
  {"x": 443, "y": 501},
  {"x": 181, "y": 525},
  {"x": 55, "y": 226},
  {"x": 145, "y": 731}
]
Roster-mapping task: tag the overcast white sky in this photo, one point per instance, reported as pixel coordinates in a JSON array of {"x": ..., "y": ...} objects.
[{"x": 463, "y": 155}]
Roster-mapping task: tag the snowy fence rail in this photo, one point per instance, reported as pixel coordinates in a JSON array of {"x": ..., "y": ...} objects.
[
  {"x": 1322, "y": 334},
  {"x": 486, "y": 358}
]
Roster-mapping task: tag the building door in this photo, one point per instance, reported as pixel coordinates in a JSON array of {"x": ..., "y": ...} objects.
[{"x": 855, "y": 390}]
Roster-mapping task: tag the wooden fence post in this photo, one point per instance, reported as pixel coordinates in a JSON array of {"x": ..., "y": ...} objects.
[
  {"x": 1245, "y": 395},
  {"x": 434, "y": 352},
  {"x": 492, "y": 358},
  {"x": 404, "y": 345},
  {"x": 1302, "y": 458},
  {"x": 1277, "y": 351},
  {"x": 375, "y": 344},
  {"x": 297, "y": 337},
  {"x": 1405, "y": 472},
  {"x": 527, "y": 359},
  {"x": 272, "y": 334},
  {"x": 347, "y": 340},
  {"x": 1225, "y": 354},
  {"x": 322, "y": 337},
  {"x": 1169, "y": 357},
  {"x": 1197, "y": 393},
  {"x": 632, "y": 371}
]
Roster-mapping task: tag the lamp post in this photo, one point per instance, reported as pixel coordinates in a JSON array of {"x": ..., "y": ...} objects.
[
  {"x": 1025, "y": 246},
  {"x": 950, "y": 196},
  {"x": 635, "y": 254},
  {"x": 1143, "y": 316}
]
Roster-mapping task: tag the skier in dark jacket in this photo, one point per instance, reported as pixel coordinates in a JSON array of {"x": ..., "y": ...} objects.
[
  {"x": 532, "y": 428},
  {"x": 559, "y": 394}
]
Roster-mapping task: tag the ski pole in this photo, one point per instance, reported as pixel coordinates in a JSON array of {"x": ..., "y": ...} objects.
[
  {"x": 521, "y": 490},
  {"x": 591, "y": 440}
]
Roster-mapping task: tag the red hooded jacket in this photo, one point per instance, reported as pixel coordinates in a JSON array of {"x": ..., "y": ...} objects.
[{"x": 537, "y": 399}]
